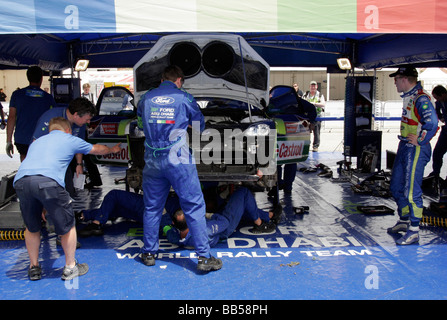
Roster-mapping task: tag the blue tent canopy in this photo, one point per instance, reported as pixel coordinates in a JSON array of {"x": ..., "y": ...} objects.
[
  {"x": 117, "y": 33},
  {"x": 60, "y": 50}
]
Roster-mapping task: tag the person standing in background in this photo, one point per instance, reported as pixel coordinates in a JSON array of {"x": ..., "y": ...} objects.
[
  {"x": 25, "y": 108},
  {"x": 317, "y": 99},
  {"x": 419, "y": 124},
  {"x": 87, "y": 94}
]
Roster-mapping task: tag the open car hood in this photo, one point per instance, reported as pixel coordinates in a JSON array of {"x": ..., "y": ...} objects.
[{"x": 212, "y": 65}]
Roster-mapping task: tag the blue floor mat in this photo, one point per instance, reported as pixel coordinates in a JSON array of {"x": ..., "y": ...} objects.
[{"x": 332, "y": 252}]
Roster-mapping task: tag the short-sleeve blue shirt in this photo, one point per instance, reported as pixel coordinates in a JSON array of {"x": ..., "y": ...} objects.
[
  {"x": 51, "y": 154},
  {"x": 44, "y": 121},
  {"x": 30, "y": 103}
]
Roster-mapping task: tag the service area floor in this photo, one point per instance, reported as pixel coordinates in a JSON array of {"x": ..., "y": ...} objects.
[{"x": 332, "y": 252}]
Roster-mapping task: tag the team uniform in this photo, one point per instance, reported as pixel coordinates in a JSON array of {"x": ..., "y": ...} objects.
[
  {"x": 128, "y": 205},
  {"x": 30, "y": 103},
  {"x": 241, "y": 205},
  {"x": 419, "y": 118},
  {"x": 41, "y": 127},
  {"x": 164, "y": 114}
]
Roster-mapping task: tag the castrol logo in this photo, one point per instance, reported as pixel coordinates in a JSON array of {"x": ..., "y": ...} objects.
[
  {"x": 290, "y": 149},
  {"x": 119, "y": 157}
]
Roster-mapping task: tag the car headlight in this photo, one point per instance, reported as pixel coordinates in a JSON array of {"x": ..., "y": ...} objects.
[{"x": 261, "y": 129}]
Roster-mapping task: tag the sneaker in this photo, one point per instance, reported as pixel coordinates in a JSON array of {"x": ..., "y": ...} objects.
[
  {"x": 35, "y": 273},
  {"x": 398, "y": 227},
  {"x": 315, "y": 150},
  {"x": 209, "y": 264},
  {"x": 409, "y": 238},
  {"x": 264, "y": 227},
  {"x": 79, "y": 269},
  {"x": 92, "y": 229},
  {"x": 148, "y": 259}
]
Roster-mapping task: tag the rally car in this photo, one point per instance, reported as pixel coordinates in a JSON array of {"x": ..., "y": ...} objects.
[{"x": 248, "y": 130}]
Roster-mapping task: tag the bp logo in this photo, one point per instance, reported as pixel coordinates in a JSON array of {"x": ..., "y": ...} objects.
[{"x": 163, "y": 100}]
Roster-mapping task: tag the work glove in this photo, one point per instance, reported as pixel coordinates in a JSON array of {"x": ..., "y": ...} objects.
[
  {"x": 166, "y": 229},
  {"x": 9, "y": 149}
]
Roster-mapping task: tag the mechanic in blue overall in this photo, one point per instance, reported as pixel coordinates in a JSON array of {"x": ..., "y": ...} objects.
[
  {"x": 225, "y": 218},
  {"x": 79, "y": 112},
  {"x": 164, "y": 114},
  {"x": 39, "y": 183},
  {"x": 25, "y": 107},
  {"x": 121, "y": 204},
  {"x": 440, "y": 94},
  {"x": 418, "y": 125}
]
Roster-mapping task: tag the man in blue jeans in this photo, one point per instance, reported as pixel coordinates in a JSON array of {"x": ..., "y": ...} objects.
[{"x": 39, "y": 183}]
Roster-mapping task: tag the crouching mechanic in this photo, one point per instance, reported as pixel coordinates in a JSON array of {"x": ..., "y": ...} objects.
[
  {"x": 223, "y": 223},
  {"x": 164, "y": 114},
  {"x": 419, "y": 124},
  {"x": 39, "y": 183}
]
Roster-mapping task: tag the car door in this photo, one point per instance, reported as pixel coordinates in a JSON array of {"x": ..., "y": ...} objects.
[
  {"x": 292, "y": 116},
  {"x": 115, "y": 109}
]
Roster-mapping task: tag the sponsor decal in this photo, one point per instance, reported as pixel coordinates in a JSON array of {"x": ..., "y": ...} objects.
[
  {"x": 119, "y": 157},
  {"x": 247, "y": 246},
  {"x": 163, "y": 100},
  {"x": 290, "y": 149},
  {"x": 108, "y": 128}
]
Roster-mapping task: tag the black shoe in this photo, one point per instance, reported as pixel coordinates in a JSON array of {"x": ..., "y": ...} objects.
[
  {"x": 35, "y": 273},
  {"x": 209, "y": 264},
  {"x": 92, "y": 229},
  {"x": 277, "y": 211},
  {"x": 78, "y": 217},
  {"x": 148, "y": 259},
  {"x": 78, "y": 270},
  {"x": 264, "y": 227}
]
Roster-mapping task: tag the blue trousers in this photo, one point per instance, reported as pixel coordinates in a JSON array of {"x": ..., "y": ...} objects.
[
  {"x": 241, "y": 204},
  {"x": 289, "y": 176},
  {"x": 406, "y": 180},
  {"x": 118, "y": 203},
  {"x": 158, "y": 176}
]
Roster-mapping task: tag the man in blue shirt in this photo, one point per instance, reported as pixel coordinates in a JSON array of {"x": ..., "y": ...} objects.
[
  {"x": 25, "y": 107},
  {"x": 39, "y": 183},
  {"x": 164, "y": 114},
  {"x": 79, "y": 112}
]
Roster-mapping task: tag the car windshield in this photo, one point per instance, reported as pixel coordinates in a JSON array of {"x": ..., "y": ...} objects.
[{"x": 115, "y": 101}]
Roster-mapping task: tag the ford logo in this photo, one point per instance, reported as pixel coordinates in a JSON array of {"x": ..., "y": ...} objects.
[{"x": 161, "y": 100}]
